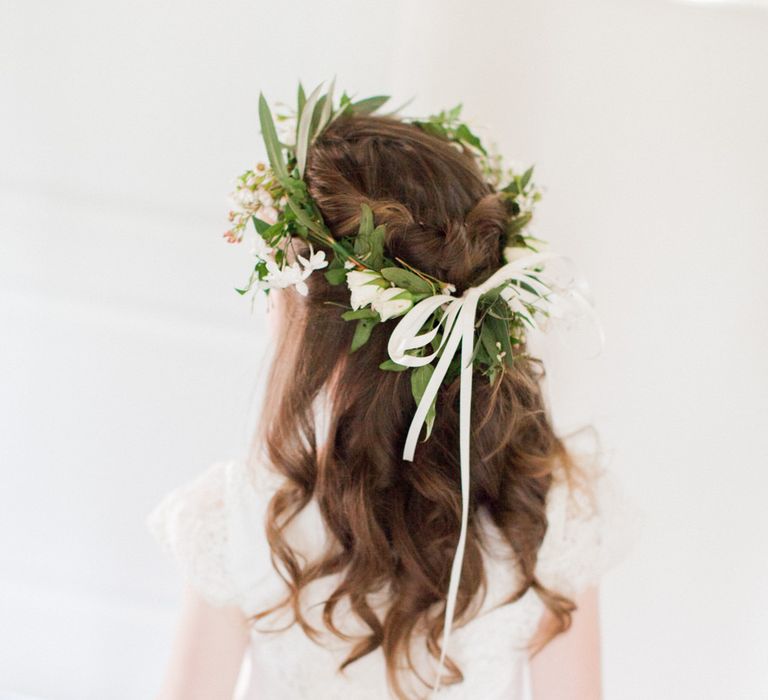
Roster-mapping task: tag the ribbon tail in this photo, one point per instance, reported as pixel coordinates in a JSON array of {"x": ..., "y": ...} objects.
[
  {"x": 466, "y": 326},
  {"x": 430, "y": 391}
]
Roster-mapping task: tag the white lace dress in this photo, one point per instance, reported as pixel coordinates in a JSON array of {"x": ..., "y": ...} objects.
[{"x": 213, "y": 526}]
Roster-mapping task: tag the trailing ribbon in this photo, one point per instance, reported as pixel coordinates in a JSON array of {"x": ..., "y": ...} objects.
[{"x": 458, "y": 322}]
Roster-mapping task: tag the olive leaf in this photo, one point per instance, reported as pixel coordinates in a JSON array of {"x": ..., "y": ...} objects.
[
  {"x": 362, "y": 333},
  {"x": 335, "y": 275},
  {"x": 325, "y": 113},
  {"x": 369, "y": 104},
  {"x": 392, "y": 366},
  {"x": 420, "y": 377},
  {"x": 369, "y": 242},
  {"x": 271, "y": 141},
  {"x": 360, "y": 313},
  {"x": 407, "y": 280},
  {"x": 302, "y": 135}
]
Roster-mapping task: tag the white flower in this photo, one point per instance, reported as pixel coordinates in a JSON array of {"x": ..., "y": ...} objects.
[
  {"x": 364, "y": 286},
  {"x": 349, "y": 265},
  {"x": 244, "y": 198},
  {"x": 268, "y": 214},
  {"x": 265, "y": 198},
  {"x": 389, "y": 305},
  {"x": 316, "y": 261},
  {"x": 286, "y": 276},
  {"x": 261, "y": 249}
]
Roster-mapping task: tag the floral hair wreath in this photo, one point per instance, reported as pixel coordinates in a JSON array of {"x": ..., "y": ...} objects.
[
  {"x": 440, "y": 336},
  {"x": 276, "y": 200}
]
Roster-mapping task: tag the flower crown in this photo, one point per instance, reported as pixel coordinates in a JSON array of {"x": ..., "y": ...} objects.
[
  {"x": 275, "y": 199},
  {"x": 440, "y": 336}
]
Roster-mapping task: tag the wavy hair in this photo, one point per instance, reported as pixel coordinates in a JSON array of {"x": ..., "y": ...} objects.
[{"x": 394, "y": 525}]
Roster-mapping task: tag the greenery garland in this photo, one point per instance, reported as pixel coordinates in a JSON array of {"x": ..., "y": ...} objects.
[{"x": 276, "y": 200}]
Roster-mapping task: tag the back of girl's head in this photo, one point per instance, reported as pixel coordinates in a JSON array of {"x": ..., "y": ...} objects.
[{"x": 394, "y": 524}]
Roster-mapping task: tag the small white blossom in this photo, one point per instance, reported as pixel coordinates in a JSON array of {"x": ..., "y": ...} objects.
[
  {"x": 244, "y": 198},
  {"x": 364, "y": 286},
  {"x": 349, "y": 265},
  {"x": 316, "y": 261},
  {"x": 261, "y": 249},
  {"x": 264, "y": 198},
  {"x": 388, "y": 305},
  {"x": 268, "y": 214},
  {"x": 286, "y": 276}
]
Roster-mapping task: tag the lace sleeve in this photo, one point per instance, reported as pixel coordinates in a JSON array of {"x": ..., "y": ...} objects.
[
  {"x": 593, "y": 525},
  {"x": 213, "y": 528}
]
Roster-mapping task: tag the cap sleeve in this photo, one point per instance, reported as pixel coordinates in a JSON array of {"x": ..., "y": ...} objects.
[
  {"x": 213, "y": 526},
  {"x": 592, "y": 526}
]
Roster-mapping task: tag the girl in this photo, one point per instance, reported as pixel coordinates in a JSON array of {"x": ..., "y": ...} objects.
[{"x": 325, "y": 557}]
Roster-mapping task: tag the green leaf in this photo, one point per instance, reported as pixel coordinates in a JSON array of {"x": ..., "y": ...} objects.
[
  {"x": 392, "y": 366},
  {"x": 407, "y": 280},
  {"x": 336, "y": 275},
  {"x": 362, "y": 333},
  {"x": 518, "y": 223},
  {"x": 526, "y": 177},
  {"x": 261, "y": 225},
  {"x": 420, "y": 377},
  {"x": 325, "y": 114},
  {"x": 464, "y": 134},
  {"x": 369, "y": 244},
  {"x": 304, "y": 218},
  {"x": 366, "y": 220},
  {"x": 369, "y": 104},
  {"x": 454, "y": 113},
  {"x": 360, "y": 313},
  {"x": 271, "y": 141},
  {"x": 303, "y": 135},
  {"x": 500, "y": 330},
  {"x": 301, "y": 99}
]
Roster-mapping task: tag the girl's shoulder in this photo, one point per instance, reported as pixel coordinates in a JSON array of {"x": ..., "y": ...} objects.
[
  {"x": 592, "y": 524},
  {"x": 213, "y": 526}
]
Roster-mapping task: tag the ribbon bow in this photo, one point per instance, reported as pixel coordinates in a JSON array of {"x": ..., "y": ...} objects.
[{"x": 458, "y": 320}]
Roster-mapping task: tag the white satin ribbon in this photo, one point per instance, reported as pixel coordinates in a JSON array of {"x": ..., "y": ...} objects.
[{"x": 458, "y": 322}]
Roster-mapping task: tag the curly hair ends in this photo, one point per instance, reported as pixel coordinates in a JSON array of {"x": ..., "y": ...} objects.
[{"x": 394, "y": 524}]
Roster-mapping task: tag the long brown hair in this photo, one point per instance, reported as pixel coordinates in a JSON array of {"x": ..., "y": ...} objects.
[{"x": 394, "y": 524}]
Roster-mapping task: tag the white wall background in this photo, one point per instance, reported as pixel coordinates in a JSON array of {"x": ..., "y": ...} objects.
[{"x": 127, "y": 364}]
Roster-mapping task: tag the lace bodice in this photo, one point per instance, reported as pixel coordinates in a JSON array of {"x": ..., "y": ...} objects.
[{"x": 213, "y": 526}]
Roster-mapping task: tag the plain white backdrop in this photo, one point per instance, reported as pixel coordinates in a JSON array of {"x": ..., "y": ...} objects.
[{"x": 128, "y": 364}]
